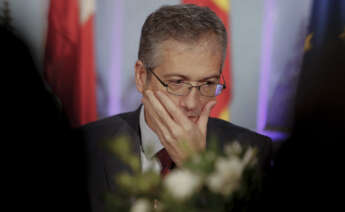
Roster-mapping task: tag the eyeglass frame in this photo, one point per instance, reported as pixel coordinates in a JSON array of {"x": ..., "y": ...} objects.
[{"x": 191, "y": 86}]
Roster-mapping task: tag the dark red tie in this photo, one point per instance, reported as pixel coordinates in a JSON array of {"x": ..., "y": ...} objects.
[{"x": 166, "y": 162}]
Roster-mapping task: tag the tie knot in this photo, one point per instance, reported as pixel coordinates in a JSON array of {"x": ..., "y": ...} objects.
[{"x": 165, "y": 161}]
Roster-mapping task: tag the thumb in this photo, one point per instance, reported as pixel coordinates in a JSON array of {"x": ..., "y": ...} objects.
[{"x": 202, "y": 122}]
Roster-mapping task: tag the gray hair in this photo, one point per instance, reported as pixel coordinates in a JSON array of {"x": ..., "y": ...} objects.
[{"x": 183, "y": 23}]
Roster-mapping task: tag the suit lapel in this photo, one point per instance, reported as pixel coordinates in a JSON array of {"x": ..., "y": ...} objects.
[
  {"x": 133, "y": 122},
  {"x": 130, "y": 127}
]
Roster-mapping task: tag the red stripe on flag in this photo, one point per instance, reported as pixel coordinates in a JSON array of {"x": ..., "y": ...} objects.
[
  {"x": 223, "y": 100},
  {"x": 69, "y": 61}
]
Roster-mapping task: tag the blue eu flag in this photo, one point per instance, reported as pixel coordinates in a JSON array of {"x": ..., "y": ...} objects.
[{"x": 321, "y": 88}]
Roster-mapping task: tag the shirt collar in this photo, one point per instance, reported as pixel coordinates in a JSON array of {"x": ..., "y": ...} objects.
[{"x": 150, "y": 141}]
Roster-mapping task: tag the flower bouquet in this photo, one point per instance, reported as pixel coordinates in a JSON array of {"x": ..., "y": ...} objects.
[{"x": 209, "y": 181}]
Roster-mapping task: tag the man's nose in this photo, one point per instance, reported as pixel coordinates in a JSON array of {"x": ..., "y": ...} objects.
[{"x": 192, "y": 100}]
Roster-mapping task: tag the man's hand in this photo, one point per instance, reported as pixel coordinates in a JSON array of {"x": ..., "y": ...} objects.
[{"x": 180, "y": 136}]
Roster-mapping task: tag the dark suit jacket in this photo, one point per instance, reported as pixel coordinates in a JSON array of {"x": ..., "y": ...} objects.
[{"x": 103, "y": 165}]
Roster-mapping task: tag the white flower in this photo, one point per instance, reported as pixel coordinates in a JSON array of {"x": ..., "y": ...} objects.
[
  {"x": 233, "y": 149},
  {"x": 141, "y": 205},
  {"x": 249, "y": 157},
  {"x": 227, "y": 176},
  {"x": 182, "y": 183}
]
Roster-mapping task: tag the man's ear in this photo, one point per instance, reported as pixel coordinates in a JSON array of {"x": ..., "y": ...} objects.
[{"x": 140, "y": 76}]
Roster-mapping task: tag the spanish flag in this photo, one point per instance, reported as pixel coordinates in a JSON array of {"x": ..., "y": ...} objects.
[{"x": 222, "y": 9}]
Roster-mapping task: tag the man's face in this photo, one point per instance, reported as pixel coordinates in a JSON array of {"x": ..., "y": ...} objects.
[{"x": 195, "y": 63}]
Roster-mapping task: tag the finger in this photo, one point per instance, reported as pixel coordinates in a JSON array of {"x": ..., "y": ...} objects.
[
  {"x": 173, "y": 110},
  {"x": 203, "y": 119},
  {"x": 168, "y": 134},
  {"x": 157, "y": 126},
  {"x": 167, "y": 138},
  {"x": 160, "y": 110},
  {"x": 162, "y": 133}
]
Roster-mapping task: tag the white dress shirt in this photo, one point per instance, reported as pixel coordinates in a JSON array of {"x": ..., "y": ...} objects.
[{"x": 150, "y": 145}]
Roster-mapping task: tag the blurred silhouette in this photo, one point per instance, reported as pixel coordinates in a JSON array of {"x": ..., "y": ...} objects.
[
  {"x": 308, "y": 168},
  {"x": 45, "y": 157},
  {"x": 308, "y": 172}
]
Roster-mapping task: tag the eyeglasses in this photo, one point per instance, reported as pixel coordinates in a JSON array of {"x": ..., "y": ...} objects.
[{"x": 208, "y": 89}]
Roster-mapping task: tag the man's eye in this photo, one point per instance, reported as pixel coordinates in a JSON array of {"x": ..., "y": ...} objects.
[
  {"x": 210, "y": 83},
  {"x": 177, "y": 81}
]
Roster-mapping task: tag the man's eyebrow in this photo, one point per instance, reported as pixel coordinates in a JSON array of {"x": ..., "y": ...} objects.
[
  {"x": 210, "y": 77},
  {"x": 187, "y": 78},
  {"x": 175, "y": 75}
]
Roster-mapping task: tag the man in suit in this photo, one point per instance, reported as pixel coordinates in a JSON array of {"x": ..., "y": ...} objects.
[{"x": 178, "y": 72}]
